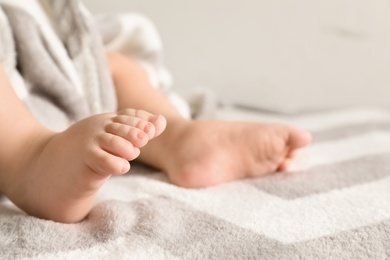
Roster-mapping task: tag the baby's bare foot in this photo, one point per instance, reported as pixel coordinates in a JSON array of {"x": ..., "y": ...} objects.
[
  {"x": 60, "y": 177},
  {"x": 212, "y": 152}
]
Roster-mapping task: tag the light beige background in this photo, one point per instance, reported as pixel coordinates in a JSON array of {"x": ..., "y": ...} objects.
[{"x": 278, "y": 54}]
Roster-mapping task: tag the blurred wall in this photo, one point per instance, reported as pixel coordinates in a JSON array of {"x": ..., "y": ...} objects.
[{"x": 276, "y": 54}]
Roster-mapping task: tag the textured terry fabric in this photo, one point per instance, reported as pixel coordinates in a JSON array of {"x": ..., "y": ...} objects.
[
  {"x": 56, "y": 62},
  {"x": 334, "y": 204},
  {"x": 59, "y": 81}
]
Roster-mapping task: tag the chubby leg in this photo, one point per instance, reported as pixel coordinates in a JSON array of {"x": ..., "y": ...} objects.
[
  {"x": 202, "y": 153},
  {"x": 56, "y": 175}
]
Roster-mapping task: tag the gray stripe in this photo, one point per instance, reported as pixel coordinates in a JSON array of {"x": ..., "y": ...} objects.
[
  {"x": 25, "y": 236},
  {"x": 191, "y": 234},
  {"x": 325, "y": 177},
  {"x": 351, "y": 130},
  {"x": 180, "y": 230}
]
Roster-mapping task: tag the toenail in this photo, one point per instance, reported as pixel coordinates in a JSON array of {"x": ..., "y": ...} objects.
[
  {"x": 154, "y": 118},
  {"x": 140, "y": 135},
  {"x": 126, "y": 167},
  {"x": 147, "y": 128}
]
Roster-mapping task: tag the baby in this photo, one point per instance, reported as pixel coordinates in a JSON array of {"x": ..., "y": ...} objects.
[{"x": 56, "y": 176}]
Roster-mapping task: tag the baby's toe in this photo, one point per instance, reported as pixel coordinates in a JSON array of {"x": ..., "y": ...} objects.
[
  {"x": 105, "y": 163},
  {"x": 284, "y": 165},
  {"x": 291, "y": 154},
  {"x": 158, "y": 121},
  {"x": 298, "y": 138},
  {"x": 118, "y": 146},
  {"x": 134, "y": 135}
]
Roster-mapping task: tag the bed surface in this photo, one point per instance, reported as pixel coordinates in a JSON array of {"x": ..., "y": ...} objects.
[{"x": 334, "y": 203}]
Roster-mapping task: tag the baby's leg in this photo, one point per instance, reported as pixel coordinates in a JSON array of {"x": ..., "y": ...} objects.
[
  {"x": 56, "y": 175},
  {"x": 197, "y": 153}
]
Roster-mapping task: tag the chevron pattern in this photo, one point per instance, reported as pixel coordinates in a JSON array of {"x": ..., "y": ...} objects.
[{"x": 333, "y": 204}]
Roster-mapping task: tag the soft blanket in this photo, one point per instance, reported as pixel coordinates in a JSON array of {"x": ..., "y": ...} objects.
[{"x": 334, "y": 202}]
